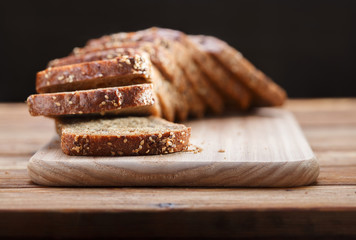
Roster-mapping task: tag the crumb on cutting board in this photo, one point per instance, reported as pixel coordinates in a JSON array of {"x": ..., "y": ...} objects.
[{"x": 195, "y": 149}]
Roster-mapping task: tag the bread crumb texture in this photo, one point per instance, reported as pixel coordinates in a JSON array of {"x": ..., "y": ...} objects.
[{"x": 122, "y": 136}]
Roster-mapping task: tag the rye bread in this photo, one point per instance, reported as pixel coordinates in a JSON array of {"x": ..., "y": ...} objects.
[
  {"x": 168, "y": 81},
  {"x": 235, "y": 92},
  {"x": 166, "y": 103},
  {"x": 138, "y": 99},
  {"x": 159, "y": 56},
  {"x": 170, "y": 99},
  {"x": 122, "y": 71},
  {"x": 265, "y": 91},
  {"x": 173, "y": 81},
  {"x": 121, "y": 136},
  {"x": 97, "y": 54},
  {"x": 202, "y": 92},
  {"x": 166, "y": 57},
  {"x": 175, "y": 41}
]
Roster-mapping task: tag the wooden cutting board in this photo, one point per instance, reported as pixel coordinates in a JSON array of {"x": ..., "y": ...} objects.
[{"x": 265, "y": 148}]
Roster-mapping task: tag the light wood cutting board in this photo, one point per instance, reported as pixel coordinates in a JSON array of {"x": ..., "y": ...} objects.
[{"x": 265, "y": 148}]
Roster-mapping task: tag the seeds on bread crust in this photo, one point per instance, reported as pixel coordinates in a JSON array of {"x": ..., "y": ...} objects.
[
  {"x": 177, "y": 71},
  {"x": 120, "y": 71},
  {"x": 122, "y": 136},
  {"x": 94, "y": 101},
  {"x": 169, "y": 73},
  {"x": 175, "y": 41}
]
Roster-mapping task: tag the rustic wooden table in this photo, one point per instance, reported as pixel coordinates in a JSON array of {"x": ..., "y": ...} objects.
[{"x": 327, "y": 208}]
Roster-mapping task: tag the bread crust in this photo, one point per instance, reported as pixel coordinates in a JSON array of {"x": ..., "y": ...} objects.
[
  {"x": 228, "y": 85},
  {"x": 176, "y": 42},
  {"x": 99, "y": 53},
  {"x": 159, "y": 142},
  {"x": 120, "y": 71},
  {"x": 98, "y": 101},
  {"x": 265, "y": 91},
  {"x": 197, "y": 95},
  {"x": 168, "y": 81}
]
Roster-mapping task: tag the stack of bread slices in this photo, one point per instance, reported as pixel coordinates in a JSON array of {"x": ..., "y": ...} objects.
[{"x": 109, "y": 97}]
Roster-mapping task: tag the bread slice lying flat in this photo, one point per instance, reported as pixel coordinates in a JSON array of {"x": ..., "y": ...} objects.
[
  {"x": 121, "y": 71},
  {"x": 121, "y": 136},
  {"x": 129, "y": 99}
]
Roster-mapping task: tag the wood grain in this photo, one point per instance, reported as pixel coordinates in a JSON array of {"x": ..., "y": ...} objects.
[
  {"x": 324, "y": 210},
  {"x": 263, "y": 148},
  {"x": 151, "y": 199}
]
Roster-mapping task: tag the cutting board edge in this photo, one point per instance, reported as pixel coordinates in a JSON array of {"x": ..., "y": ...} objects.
[
  {"x": 284, "y": 140},
  {"x": 296, "y": 175}
]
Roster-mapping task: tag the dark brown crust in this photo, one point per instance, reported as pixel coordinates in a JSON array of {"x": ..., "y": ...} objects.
[
  {"x": 195, "y": 79},
  {"x": 106, "y": 40},
  {"x": 97, "y": 101},
  {"x": 266, "y": 92},
  {"x": 175, "y": 41},
  {"x": 121, "y": 71},
  {"x": 192, "y": 102},
  {"x": 140, "y": 144},
  {"x": 97, "y": 145},
  {"x": 99, "y": 53},
  {"x": 161, "y": 59},
  {"x": 229, "y": 85}
]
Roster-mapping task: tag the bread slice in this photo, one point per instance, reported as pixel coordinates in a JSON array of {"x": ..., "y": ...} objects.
[
  {"x": 160, "y": 57},
  {"x": 174, "y": 83},
  {"x": 198, "y": 91},
  {"x": 122, "y": 71},
  {"x": 166, "y": 102},
  {"x": 97, "y": 54},
  {"x": 121, "y": 136},
  {"x": 175, "y": 41},
  {"x": 265, "y": 91},
  {"x": 235, "y": 92},
  {"x": 164, "y": 59},
  {"x": 138, "y": 99},
  {"x": 167, "y": 82}
]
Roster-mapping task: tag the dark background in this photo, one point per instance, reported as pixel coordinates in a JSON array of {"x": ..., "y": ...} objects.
[{"x": 306, "y": 46}]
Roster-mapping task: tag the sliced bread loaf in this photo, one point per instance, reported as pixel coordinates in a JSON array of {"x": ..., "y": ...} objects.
[
  {"x": 96, "y": 54},
  {"x": 265, "y": 91},
  {"x": 198, "y": 92},
  {"x": 121, "y": 136},
  {"x": 137, "y": 99},
  {"x": 175, "y": 42},
  {"x": 168, "y": 81},
  {"x": 229, "y": 86},
  {"x": 160, "y": 57},
  {"x": 121, "y": 71}
]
